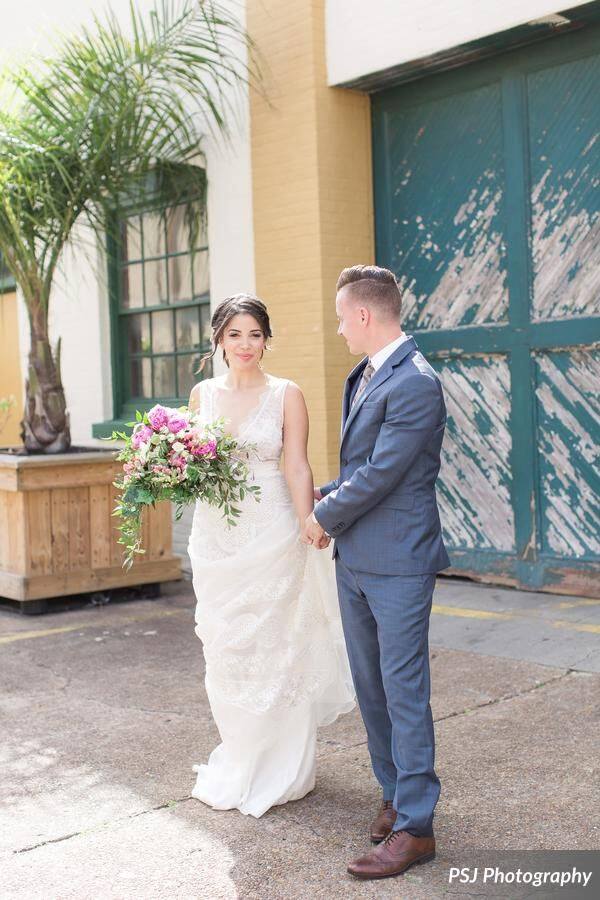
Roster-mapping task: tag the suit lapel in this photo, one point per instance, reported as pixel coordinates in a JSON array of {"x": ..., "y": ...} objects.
[
  {"x": 382, "y": 375},
  {"x": 349, "y": 386}
]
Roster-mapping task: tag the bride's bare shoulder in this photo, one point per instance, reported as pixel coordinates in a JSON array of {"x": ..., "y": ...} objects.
[
  {"x": 196, "y": 392},
  {"x": 294, "y": 401}
]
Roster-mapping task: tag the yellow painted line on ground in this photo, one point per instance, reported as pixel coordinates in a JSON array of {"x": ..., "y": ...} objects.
[
  {"x": 128, "y": 620},
  {"x": 25, "y": 635},
  {"x": 593, "y": 629},
  {"x": 465, "y": 612},
  {"x": 568, "y": 604},
  {"x": 468, "y": 613}
]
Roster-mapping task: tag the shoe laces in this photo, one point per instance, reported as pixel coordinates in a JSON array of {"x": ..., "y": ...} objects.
[{"x": 392, "y": 837}]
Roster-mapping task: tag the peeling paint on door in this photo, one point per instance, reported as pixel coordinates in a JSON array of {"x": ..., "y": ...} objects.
[
  {"x": 448, "y": 249},
  {"x": 565, "y": 198},
  {"x": 568, "y": 393},
  {"x": 474, "y": 485},
  {"x": 487, "y": 200}
]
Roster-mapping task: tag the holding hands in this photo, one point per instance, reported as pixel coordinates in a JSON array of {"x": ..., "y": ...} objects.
[{"x": 312, "y": 533}]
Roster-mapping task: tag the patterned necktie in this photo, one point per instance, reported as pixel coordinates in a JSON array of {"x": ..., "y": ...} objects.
[{"x": 366, "y": 377}]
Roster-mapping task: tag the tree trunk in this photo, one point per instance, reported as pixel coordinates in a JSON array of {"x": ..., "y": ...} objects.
[{"x": 45, "y": 425}]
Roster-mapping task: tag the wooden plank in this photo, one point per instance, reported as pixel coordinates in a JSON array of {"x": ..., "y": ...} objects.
[
  {"x": 87, "y": 579},
  {"x": 3, "y": 532},
  {"x": 100, "y": 526},
  {"x": 17, "y": 534},
  {"x": 161, "y": 531},
  {"x": 116, "y": 550},
  {"x": 148, "y": 525},
  {"x": 59, "y": 504},
  {"x": 8, "y": 478},
  {"x": 79, "y": 528},
  {"x": 39, "y": 519},
  {"x": 13, "y": 586},
  {"x": 77, "y": 475}
]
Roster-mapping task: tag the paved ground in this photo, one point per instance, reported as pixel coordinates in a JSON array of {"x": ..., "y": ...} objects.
[{"x": 104, "y": 714}]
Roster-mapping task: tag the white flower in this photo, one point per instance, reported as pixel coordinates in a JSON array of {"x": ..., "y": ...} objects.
[{"x": 178, "y": 446}]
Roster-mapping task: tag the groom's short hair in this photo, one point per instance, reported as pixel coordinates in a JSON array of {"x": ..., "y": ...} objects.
[{"x": 374, "y": 286}]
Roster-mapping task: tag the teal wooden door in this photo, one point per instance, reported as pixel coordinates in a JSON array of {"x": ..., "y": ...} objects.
[{"x": 487, "y": 200}]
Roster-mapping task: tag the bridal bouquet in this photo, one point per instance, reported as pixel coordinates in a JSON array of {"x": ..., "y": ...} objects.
[{"x": 171, "y": 456}]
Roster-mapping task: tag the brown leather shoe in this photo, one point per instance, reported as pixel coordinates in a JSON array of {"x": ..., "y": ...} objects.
[
  {"x": 393, "y": 856},
  {"x": 383, "y": 824}
]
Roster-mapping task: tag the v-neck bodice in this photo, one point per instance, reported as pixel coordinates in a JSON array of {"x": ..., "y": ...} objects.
[{"x": 254, "y": 417}]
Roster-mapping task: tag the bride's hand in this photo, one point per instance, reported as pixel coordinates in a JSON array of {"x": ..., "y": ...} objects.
[
  {"x": 304, "y": 538},
  {"x": 317, "y": 494}
]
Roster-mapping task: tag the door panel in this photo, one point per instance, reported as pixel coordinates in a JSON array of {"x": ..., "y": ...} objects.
[
  {"x": 446, "y": 233},
  {"x": 565, "y": 189},
  {"x": 568, "y": 396},
  {"x": 475, "y": 491},
  {"x": 487, "y": 209}
]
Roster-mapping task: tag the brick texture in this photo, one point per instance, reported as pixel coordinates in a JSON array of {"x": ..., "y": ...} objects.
[{"x": 312, "y": 200}]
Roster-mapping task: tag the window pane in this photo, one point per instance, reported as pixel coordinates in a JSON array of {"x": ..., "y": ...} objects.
[
  {"x": 186, "y": 379},
  {"x": 202, "y": 236},
  {"x": 180, "y": 278},
  {"x": 178, "y": 232},
  {"x": 206, "y": 330},
  {"x": 131, "y": 237},
  {"x": 132, "y": 294},
  {"x": 200, "y": 267},
  {"x": 154, "y": 235},
  {"x": 140, "y": 374},
  {"x": 187, "y": 328},
  {"x": 162, "y": 332},
  {"x": 138, "y": 333},
  {"x": 164, "y": 376},
  {"x": 156, "y": 282}
]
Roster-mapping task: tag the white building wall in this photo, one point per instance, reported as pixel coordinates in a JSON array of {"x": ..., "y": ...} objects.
[
  {"x": 79, "y": 303},
  {"x": 362, "y": 38}
]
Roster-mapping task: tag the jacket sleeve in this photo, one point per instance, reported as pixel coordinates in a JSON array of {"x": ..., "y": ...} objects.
[
  {"x": 414, "y": 411},
  {"x": 330, "y": 486}
]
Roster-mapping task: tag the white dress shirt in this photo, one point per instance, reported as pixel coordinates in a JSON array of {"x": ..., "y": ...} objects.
[{"x": 378, "y": 359}]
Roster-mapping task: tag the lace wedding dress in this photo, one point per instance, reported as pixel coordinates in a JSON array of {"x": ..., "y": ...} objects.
[{"x": 267, "y": 614}]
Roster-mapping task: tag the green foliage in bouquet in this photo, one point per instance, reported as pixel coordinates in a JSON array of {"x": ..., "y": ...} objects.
[{"x": 171, "y": 456}]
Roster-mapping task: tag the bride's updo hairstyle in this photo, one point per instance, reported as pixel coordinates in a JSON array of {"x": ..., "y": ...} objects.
[{"x": 224, "y": 313}]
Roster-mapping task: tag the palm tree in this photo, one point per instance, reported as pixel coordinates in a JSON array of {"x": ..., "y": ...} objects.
[{"x": 112, "y": 109}]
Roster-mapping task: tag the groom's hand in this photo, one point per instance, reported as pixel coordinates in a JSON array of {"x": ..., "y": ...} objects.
[{"x": 313, "y": 531}]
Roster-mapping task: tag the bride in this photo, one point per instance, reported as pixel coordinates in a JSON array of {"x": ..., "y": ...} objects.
[{"x": 267, "y": 610}]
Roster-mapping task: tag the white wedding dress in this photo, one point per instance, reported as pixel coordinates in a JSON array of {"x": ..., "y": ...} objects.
[{"x": 267, "y": 614}]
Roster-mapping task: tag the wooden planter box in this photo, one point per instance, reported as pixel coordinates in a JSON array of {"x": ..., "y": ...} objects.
[{"x": 57, "y": 532}]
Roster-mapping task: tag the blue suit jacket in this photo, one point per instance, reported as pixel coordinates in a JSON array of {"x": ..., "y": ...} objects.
[{"x": 382, "y": 508}]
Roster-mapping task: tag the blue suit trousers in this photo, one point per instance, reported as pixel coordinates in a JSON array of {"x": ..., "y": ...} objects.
[{"x": 386, "y": 625}]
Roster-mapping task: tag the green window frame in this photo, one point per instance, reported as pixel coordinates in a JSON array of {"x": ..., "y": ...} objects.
[
  {"x": 158, "y": 276},
  {"x": 7, "y": 281}
]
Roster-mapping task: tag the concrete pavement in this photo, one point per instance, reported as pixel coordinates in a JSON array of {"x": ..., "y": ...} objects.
[{"x": 104, "y": 714}]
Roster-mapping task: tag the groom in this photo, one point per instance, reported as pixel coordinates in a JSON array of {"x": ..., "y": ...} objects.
[{"x": 383, "y": 514}]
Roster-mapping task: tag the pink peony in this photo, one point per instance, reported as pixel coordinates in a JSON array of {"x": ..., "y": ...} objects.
[
  {"x": 207, "y": 449},
  {"x": 177, "y": 423},
  {"x": 140, "y": 436},
  {"x": 177, "y": 461},
  {"x": 158, "y": 416}
]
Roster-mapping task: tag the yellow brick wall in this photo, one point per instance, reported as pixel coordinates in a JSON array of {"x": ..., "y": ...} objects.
[
  {"x": 10, "y": 368},
  {"x": 312, "y": 197}
]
